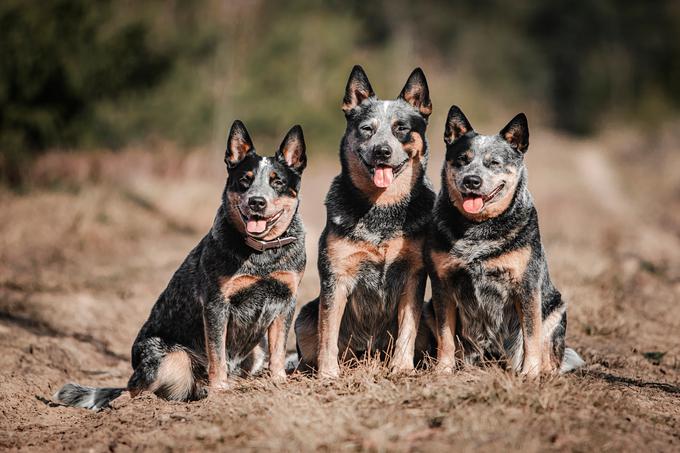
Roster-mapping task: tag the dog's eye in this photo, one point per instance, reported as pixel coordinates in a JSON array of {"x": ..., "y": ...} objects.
[
  {"x": 278, "y": 183},
  {"x": 494, "y": 163},
  {"x": 403, "y": 129},
  {"x": 462, "y": 161},
  {"x": 366, "y": 128},
  {"x": 244, "y": 181}
]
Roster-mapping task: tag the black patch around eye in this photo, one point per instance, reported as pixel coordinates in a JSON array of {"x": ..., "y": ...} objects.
[
  {"x": 290, "y": 179},
  {"x": 245, "y": 182}
]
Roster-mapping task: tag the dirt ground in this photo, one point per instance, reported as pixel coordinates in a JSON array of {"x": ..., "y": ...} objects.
[{"x": 82, "y": 261}]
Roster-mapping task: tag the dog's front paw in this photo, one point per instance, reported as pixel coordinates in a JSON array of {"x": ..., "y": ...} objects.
[
  {"x": 445, "y": 367},
  {"x": 278, "y": 377},
  {"x": 220, "y": 383},
  {"x": 401, "y": 367},
  {"x": 531, "y": 371},
  {"x": 329, "y": 371}
]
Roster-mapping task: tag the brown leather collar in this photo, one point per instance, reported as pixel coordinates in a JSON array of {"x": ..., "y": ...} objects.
[{"x": 261, "y": 246}]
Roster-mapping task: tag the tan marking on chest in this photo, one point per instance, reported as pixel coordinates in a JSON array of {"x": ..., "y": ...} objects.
[
  {"x": 444, "y": 263},
  {"x": 404, "y": 249},
  {"x": 289, "y": 278},
  {"x": 346, "y": 256},
  {"x": 514, "y": 262},
  {"x": 235, "y": 283}
]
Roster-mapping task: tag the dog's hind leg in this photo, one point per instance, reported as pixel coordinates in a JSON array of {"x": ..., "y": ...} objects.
[
  {"x": 307, "y": 336},
  {"x": 168, "y": 371}
]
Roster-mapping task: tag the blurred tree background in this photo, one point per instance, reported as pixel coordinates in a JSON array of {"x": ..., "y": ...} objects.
[{"x": 78, "y": 74}]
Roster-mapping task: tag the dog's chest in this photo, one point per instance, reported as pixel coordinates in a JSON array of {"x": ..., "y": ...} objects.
[
  {"x": 253, "y": 302},
  {"x": 484, "y": 296},
  {"x": 381, "y": 274}
]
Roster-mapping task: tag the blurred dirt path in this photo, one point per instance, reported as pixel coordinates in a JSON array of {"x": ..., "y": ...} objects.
[{"x": 81, "y": 267}]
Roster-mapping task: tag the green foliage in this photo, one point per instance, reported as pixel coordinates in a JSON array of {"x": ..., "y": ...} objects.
[
  {"x": 64, "y": 64},
  {"x": 85, "y": 74}
]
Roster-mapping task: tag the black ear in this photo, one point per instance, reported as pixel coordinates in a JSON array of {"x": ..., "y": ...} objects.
[
  {"x": 517, "y": 133},
  {"x": 358, "y": 89},
  {"x": 239, "y": 145},
  {"x": 416, "y": 92},
  {"x": 292, "y": 150},
  {"x": 457, "y": 125}
]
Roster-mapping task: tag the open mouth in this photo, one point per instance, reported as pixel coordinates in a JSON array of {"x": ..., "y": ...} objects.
[
  {"x": 258, "y": 225},
  {"x": 474, "y": 203},
  {"x": 383, "y": 174}
]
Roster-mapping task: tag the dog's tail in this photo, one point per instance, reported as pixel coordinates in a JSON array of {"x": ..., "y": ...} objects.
[
  {"x": 571, "y": 361},
  {"x": 94, "y": 398}
]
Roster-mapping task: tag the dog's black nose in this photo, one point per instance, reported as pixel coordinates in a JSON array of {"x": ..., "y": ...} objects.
[
  {"x": 257, "y": 204},
  {"x": 472, "y": 182},
  {"x": 382, "y": 152}
]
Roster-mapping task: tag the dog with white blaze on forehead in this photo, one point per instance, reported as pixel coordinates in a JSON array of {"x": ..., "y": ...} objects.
[
  {"x": 228, "y": 308},
  {"x": 371, "y": 250},
  {"x": 492, "y": 297}
]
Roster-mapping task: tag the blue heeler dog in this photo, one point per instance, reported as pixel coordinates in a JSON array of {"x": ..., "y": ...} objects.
[
  {"x": 491, "y": 289},
  {"x": 233, "y": 297},
  {"x": 371, "y": 251}
]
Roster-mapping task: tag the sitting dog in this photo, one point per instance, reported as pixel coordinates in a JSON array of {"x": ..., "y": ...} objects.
[
  {"x": 371, "y": 250},
  {"x": 490, "y": 281},
  {"x": 234, "y": 295}
]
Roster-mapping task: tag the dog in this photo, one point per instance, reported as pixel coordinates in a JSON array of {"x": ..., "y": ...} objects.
[
  {"x": 371, "y": 251},
  {"x": 492, "y": 296},
  {"x": 234, "y": 296}
]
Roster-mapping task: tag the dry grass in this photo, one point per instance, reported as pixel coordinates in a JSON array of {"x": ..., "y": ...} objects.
[{"x": 80, "y": 267}]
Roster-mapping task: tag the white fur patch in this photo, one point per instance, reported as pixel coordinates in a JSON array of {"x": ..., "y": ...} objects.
[
  {"x": 175, "y": 376},
  {"x": 571, "y": 361}
]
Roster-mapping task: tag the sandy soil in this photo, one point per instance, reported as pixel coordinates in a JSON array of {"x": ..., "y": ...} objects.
[{"x": 82, "y": 263}]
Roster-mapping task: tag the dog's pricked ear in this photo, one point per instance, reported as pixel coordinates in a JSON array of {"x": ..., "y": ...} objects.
[
  {"x": 416, "y": 92},
  {"x": 292, "y": 151},
  {"x": 358, "y": 89},
  {"x": 239, "y": 145},
  {"x": 517, "y": 133},
  {"x": 457, "y": 125}
]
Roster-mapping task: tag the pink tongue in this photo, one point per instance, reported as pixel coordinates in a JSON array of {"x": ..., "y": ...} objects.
[
  {"x": 256, "y": 226},
  {"x": 383, "y": 176},
  {"x": 473, "y": 204}
]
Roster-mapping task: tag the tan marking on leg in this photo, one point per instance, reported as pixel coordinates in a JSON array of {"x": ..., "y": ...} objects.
[
  {"x": 514, "y": 262},
  {"x": 288, "y": 278},
  {"x": 550, "y": 363},
  {"x": 330, "y": 316},
  {"x": 217, "y": 362},
  {"x": 409, "y": 250},
  {"x": 408, "y": 316},
  {"x": 175, "y": 376},
  {"x": 531, "y": 313},
  {"x": 445, "y": 331},
  {"x": 276, "y": 336},
  {"x": 346, "y": 257}
]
